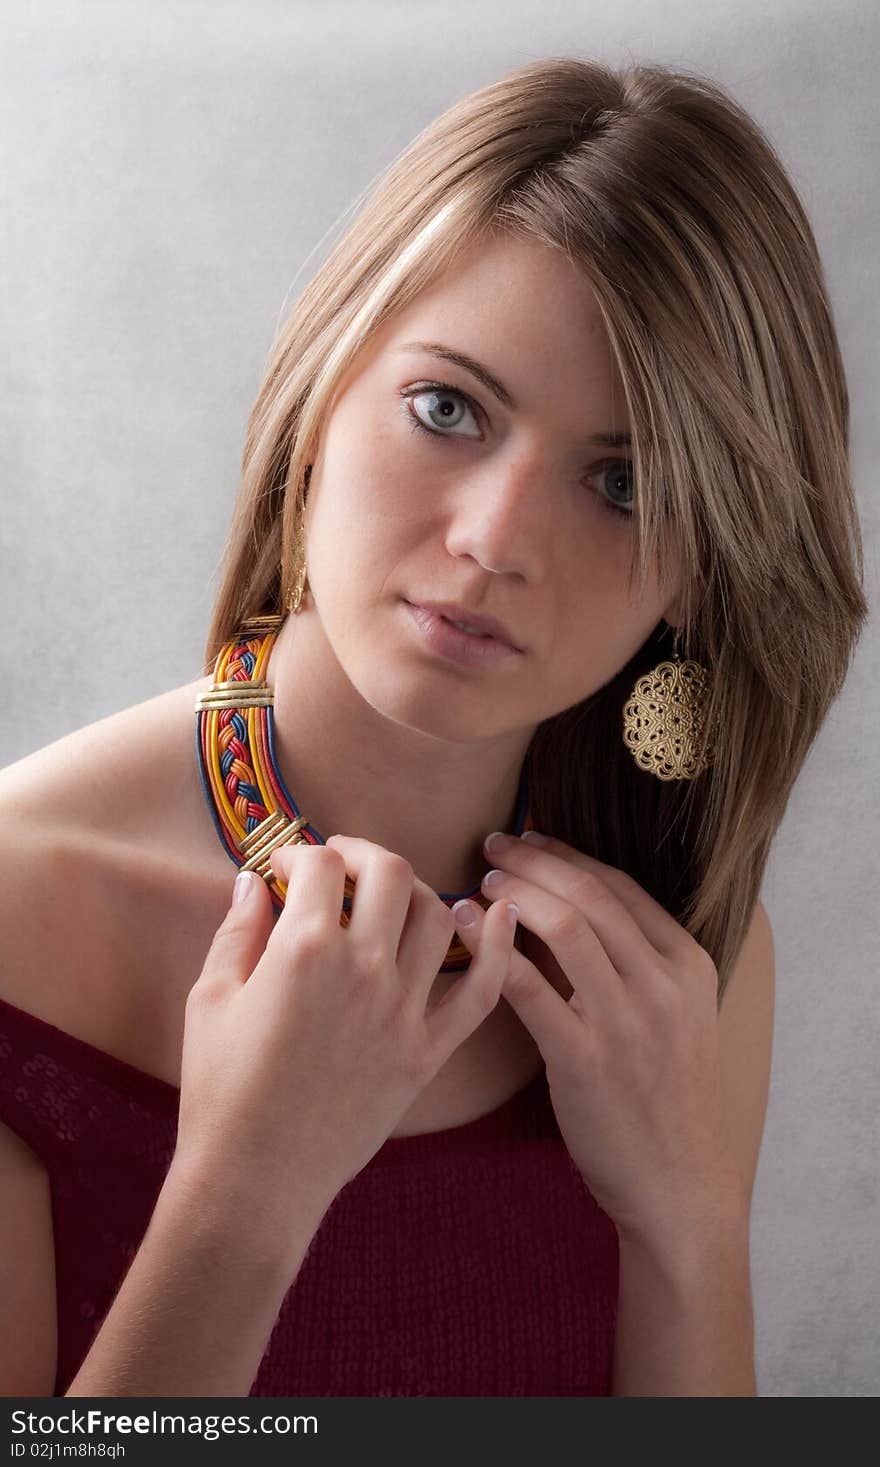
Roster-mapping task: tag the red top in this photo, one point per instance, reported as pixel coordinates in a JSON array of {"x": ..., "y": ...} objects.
[{"x": 467, "y": 1262}]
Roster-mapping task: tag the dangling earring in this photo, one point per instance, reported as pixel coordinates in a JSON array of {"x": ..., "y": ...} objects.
[
  {"x": 664, "y": 720},
  {"x": 300, "y": 579}
]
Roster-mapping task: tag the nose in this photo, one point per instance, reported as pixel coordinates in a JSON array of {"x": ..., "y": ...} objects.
[{"x": 500, "y": 514}]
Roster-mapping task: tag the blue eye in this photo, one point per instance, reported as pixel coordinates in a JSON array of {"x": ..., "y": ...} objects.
[
  {"x": 442, "y": 406},
  {"x": 443, "y": 409},
  {"x": 622, "y": 468}
]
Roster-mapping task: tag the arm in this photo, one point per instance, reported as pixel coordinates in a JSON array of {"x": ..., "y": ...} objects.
[
  {"x": 685, "y": 1322},
  {"x": 194, "y": 1313}
]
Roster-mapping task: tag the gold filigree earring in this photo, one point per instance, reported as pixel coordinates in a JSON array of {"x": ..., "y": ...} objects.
[{"x": 664, "y": 720}]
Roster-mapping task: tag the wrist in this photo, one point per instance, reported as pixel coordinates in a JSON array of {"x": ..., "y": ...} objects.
[
  {"x": 704, "y": 1223},
  {"x": 685, "y": 1325},
  {"x": 232, "y": 1217}
]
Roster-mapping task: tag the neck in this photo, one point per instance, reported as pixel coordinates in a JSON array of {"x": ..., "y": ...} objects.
[{"x": 354, "y": 771}]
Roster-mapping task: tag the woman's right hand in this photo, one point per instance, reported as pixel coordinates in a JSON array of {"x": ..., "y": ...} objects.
[{"x": 306, "y": 1041}]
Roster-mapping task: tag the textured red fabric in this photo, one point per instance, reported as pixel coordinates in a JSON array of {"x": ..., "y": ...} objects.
[{"x": 472, "y": 1261}]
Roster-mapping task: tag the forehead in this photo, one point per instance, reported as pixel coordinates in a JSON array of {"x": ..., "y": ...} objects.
[{"x": 530, "y": 315}]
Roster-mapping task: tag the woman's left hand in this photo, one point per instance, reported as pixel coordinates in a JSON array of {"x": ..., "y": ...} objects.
[{"x": 622, "y": 1003}]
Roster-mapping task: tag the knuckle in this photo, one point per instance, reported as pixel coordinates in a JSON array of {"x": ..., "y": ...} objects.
[
  {"x": 568, "y": 926},
  {"x": 666, "y": 998},
  {"x": 521, "y": 981},
  {"x": 588, "y": 889},
  {"x": 307, "y": 939},
  {"x": 443, "y": 920},
  {"x": 198, "y": 993},
  {"x": 298, "y": 850},
  {"x": 314, "y": 934},
  {"x": 623, "y": 884},
  {"x": 371, "y": 964},
  {"x": 339, "y": 838},
  {"x": 626, "y": 1028},
  {"x": 397, "y": 867},
  {"x": 225, "y": 941},
  {"x": 204, "y": 992},
  {"x": 317, "y": 855}
]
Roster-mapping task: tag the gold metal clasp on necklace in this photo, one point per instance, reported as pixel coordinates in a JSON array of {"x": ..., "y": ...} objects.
[
  {"x": 237, "y": 695},
  {"x": 275, "y": 830}
]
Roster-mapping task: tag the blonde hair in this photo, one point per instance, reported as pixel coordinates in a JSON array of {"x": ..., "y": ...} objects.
[{"x": 706, "y": 271}]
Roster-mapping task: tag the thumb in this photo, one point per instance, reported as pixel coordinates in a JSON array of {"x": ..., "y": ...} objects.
[{"x": 241, "y": 938}]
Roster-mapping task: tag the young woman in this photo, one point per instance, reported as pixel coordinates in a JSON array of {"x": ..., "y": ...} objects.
[{"x": 565, "y": 403}]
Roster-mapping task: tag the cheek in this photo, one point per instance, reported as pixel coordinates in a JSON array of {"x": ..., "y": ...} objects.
[
  {"x": 372, "y": 474},
  {"x": 592, "y": 648},
  {"x": 357, "y": 533}
]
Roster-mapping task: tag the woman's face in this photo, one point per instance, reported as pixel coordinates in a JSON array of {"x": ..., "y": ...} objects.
[{"x": 427, "y": 486}]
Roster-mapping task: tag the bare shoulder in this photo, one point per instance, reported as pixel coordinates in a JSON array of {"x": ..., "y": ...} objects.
[
  {"x": 43, "y": 905},
  {"x": 101, "y": 833},
  {"x": 116, "y": 777}
]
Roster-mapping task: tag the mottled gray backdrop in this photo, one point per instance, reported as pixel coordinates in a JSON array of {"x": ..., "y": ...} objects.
[{"x": 171, "y": 175}]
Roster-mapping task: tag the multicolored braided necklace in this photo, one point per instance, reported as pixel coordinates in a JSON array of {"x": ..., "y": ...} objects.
[{"x": 252, "y": 810}]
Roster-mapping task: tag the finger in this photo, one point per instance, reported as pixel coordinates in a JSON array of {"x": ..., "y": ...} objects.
[
  {"x": 241, "y": 938},
  {"x": 546, "y": 1013},
  {"x": 409, "y": 915},
  {"x": 549, "y": 889},
  {"x": 381, "y": 886},
  {"x": 552, "y": 1020},
  {"x": 476, "y": 993},
  {"x": 570, "y": 936},
  {"x": 314, "y": 885},
  {"x": 659, "y": 926}
]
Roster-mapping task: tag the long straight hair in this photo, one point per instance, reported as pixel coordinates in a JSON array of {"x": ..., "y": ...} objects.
[{"x": 672, "y": 201}]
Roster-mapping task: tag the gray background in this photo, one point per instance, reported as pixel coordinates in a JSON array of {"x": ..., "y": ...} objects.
[{"x": 171, "y": 176}]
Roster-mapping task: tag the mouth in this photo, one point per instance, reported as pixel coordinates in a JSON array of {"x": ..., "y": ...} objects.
[
  {"x": 472, "y": 622},
  {"x": 453, "y": 642}
]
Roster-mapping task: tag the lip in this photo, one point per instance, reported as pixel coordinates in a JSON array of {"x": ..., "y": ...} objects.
[
  {"x": 463, "y": 647},
  {"x": 487, "y": 626}
]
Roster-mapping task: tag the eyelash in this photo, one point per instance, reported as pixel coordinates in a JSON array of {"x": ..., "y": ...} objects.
[{"x": 417, "y": 426}]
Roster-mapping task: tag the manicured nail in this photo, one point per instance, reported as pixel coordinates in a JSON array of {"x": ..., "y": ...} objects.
[
  {"x": 497, "y": 841},
  {"x": 244, "y": 885},
  {"x": 464, "y": 913},
  {"x": 534, "y": 838}
]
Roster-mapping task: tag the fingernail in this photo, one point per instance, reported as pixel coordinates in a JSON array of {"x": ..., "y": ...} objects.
[
  {"x": 512, "y": 912},
  {"x": 244, "y": 885},
  {"x": 497, "y": 841},
  {"x": 464, "y": 913},
  {"x": 534, "y": 837}
]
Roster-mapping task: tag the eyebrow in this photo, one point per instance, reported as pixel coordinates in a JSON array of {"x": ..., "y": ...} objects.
[{"x": 615, "y": 438}]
